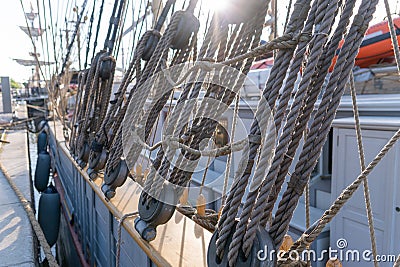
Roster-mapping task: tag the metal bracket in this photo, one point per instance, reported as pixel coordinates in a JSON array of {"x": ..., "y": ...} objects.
[
  {"x": 106, "y": 69},
  {"x": 114, "y": 179},
  {"x": 146, "y": 231},
  {"x": 260, "y": 254},
  {"x": 187, "y": 25},
  {"x": 98, "y": 160},
  {"x": 154, "y": 212}
]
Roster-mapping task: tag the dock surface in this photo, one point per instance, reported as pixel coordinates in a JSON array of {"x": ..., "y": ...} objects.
[{"x": 16, "y": 235}]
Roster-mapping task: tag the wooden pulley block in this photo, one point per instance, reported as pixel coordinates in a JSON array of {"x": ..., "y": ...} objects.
[
  {"x": 138, "y": 169},
  {"x": 333, "y": 263},
  {"x": 84, "y": 153},
  {"x": 220, "y": 211},
  {"x": 151, "y": 45},
  {"x": 287, "y": 243},
  {"x": 145, "y": 174},
  {"x": 154, "y": 212},
  {"x": 201, "y": 205},
  {"x": 106, "y": 67},
  {"x": 115, "y": 178},
  {"x": 187, "y": 25},
  {"x": 184, "y": 197},
  {"x": 97, "y": 161},
  {"x": 238, "y": 11}
]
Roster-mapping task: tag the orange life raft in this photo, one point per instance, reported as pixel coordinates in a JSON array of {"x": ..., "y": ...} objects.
[{"x": 376, "y": 47}]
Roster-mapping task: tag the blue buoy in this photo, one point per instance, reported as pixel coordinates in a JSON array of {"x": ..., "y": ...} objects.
[
  {"x": 42, "y": 172},
  {"x": 49, "y": 214},
  {"x": 42, "y": 142}
]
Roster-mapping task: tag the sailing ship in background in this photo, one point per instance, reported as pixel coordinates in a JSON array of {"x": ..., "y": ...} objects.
[{"x": 198, "y": 156}]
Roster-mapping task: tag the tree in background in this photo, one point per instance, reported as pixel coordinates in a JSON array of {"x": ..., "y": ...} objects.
[{"x": 15, "y": 84}]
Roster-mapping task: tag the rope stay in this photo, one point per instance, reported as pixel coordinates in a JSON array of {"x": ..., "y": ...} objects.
[{"x": 367, "y": 199}]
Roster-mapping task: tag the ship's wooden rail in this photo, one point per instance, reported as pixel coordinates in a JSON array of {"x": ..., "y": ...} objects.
[{"x": 180, "y": 242}]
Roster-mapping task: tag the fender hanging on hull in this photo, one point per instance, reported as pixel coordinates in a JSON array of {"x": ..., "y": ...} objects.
[
  {"x": 42, "y": 172},
  {"x": 49, "y": 214}
]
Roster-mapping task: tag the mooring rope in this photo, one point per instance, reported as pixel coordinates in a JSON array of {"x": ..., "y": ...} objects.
[{"x": 32, "y": 219}]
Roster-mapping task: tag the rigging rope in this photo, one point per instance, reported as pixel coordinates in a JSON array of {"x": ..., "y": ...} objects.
[
  {"x": 229, "y": 45},
  {"x": 269, "y": 97},
  {"x": 98, "y": 29},
  {"x": 155, "y": 64},
  {"x": 393, "y": 35},
  {"x": 362, "y": 165},
  {"x": 69, "y": 48},
  {"x": 322, "y": 121},
  {"x": 89, "y": 35},
  {"x": 119, "y": 233}
]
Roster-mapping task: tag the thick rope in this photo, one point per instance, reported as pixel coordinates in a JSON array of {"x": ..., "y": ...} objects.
[
  {"x": 205, "y": 126},
  {"x": 323, "y": 21},
  {"x": 156, "y": 64},
  {"x": 175, "y": 143},
  {"x": 322, "y": 122},
  {"x": 112, "y": 121},
  {"x": 321, "y": 73},
  {"x": 208, "y": 221},
  {"x": 81, "y": 81},
  {"x": 270, "y": 94},
  {"x": 362, "y": 165},
  {"x": 141, "y": 92},
  {"x": 179, "y": 113},
  {"x": 156, "y": 187},
  {"x": 265, "y": 157},
  {"x": 315, "y": 140},
  {"x": 32, "y": 219}
]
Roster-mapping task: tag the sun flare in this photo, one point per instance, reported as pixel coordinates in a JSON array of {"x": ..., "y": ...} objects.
[{"x": 215, "y": 5}]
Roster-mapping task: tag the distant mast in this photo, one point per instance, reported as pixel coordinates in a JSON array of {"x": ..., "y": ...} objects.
[{"x": 35, "y": 33}]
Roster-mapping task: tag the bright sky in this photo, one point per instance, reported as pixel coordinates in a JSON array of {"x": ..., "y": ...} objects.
[{"x": 16, "y": 44}]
